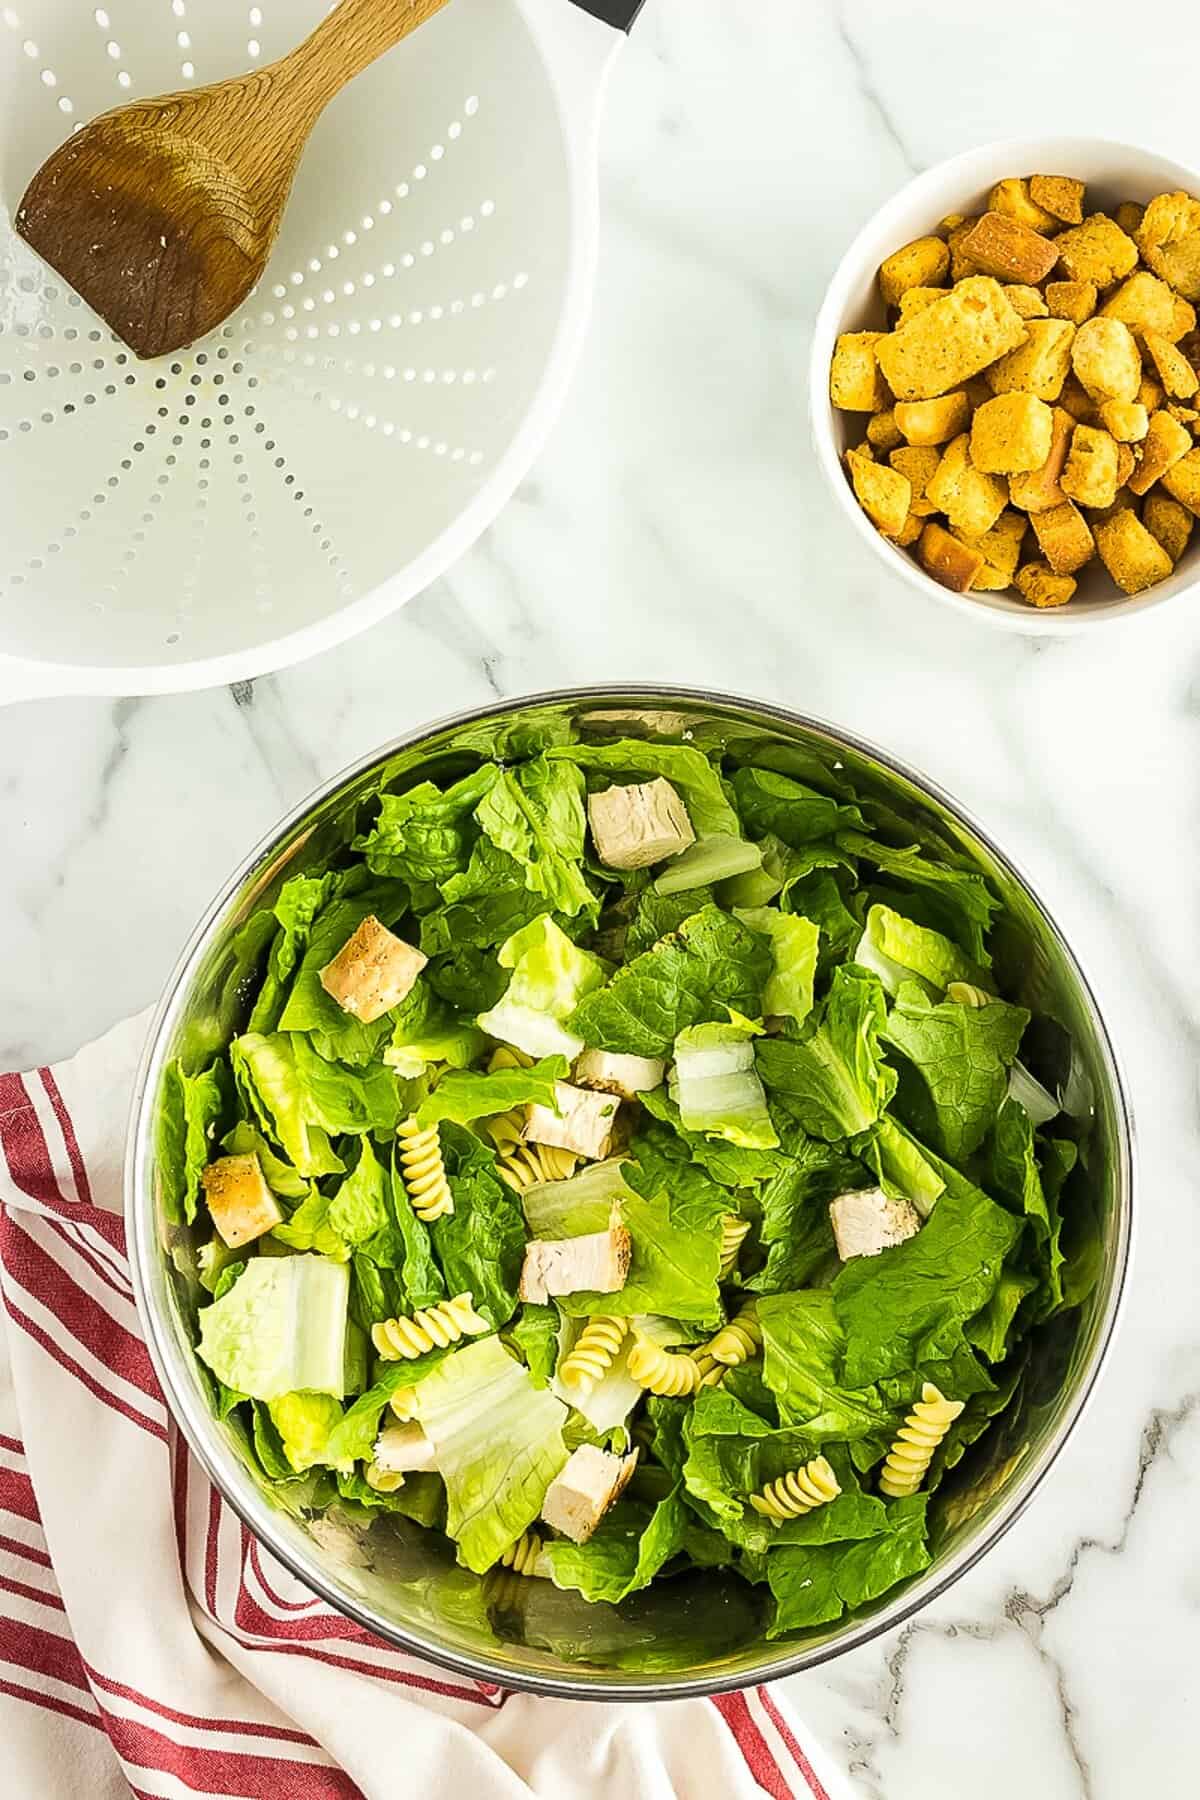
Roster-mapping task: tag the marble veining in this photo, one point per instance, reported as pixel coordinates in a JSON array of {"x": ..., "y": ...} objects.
[{"x": 675, "y": 529}]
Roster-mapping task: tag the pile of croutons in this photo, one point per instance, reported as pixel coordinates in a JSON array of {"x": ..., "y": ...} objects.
[{"x": 1035, "y": 402}]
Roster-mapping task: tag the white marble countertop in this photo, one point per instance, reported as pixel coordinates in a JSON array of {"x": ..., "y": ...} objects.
[{"x": 676, "y": 529}]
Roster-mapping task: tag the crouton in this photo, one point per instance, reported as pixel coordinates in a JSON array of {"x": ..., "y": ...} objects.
[
  {"x": 883, "y": 433},
  {"x": 1106, "y": 359},
  {"x": 865, "y": 1222},
  {"x": 596, "y": 1263},
  {"x": 1059, "y": 195},
  {"x": 1126, "y": 420},
  {"x": 971, "y": 498},
  {"x": 1040, "y": 365},
  {"x": 1149, "y": 394},
  {"x": 1126, "y": 464},
  {"x": 1063, "y": 538},
  {"x": 1000, "y": 245},
  {"x": 961, "y": 267},
  {"x": 956, "y": 337},
  {"x": 1173, "y": 369},
  {"x": 1010, "y": 434},
  {"x": 1129, "y": 217},
  {"x": 1186, "y": 415},
  {"x": 949, "y": 560},
  {"x": 635, "y": 826},
  {"x": 916, "y": 299},
  {"x": 1090, "y": 475},
  {"x": 1079, "y": 404},
  {"x": 581, "y": 1120},
  {"x": 1041, "y": 587},
  {"x": 1098, "y": 250},
  {"x": 1166, "y": 443},
  {"x": 1073, "y": 300},
  {"x": 909, "y": 532},
  {"x": 1133, "y": 556},
  {"x": 580, "y": 1495},
  {"x": 242, "y": 1205},
  {"x": 1182, "y": 480},
  {"x": 1183, "y": 322},
  {"x": 1039, "y": 489},
  {"x": 924, "y": 422},
  {"x": 882, "y": 492},
  {"x": 923, "y": 263},
  {"x": 1169, "y": 522},
  {"x": 1025, "y": 300},
  {"x": 1013, "y": 196},
  {"x": 1169, "y": 240},
  {"x": 1001, "y": 550},
  {"x": 372, "y": 972},
  {"x": 855, "y": 383},
  {"x": 1143, "y": 302},
  {"x": 918, "y": 466}
]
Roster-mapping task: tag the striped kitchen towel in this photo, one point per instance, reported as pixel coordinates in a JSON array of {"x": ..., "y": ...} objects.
[{"x": 149, "y": 1644}]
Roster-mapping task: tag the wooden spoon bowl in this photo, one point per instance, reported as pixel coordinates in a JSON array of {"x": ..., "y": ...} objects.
[{"x": 162, "y": 215}]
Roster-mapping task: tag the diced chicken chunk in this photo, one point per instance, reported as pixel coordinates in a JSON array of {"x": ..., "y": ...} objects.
[
  {"x": 242, "y": 1205},
  {"x": 400, "y": 1449},
  {"x": 583, "y": 1122},
  {"x": 578, "y": 1499},
  {"x": 635, "y": 826},
  {"x": 867, "y": 1222},
  {"x": 627, "y": 1076},
  {"x": 595, "y": 1264},
  {"x": 372, "y": 972}
]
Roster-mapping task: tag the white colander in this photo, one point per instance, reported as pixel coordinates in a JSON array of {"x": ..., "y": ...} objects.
[{"x": 344, "y": 437}]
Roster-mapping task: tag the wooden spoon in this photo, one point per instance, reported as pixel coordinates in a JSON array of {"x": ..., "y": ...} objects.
[{"x": 163, "y": 213}]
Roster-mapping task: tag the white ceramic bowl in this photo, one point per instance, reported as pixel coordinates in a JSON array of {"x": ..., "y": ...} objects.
[{"x": 1113, "y": 172}]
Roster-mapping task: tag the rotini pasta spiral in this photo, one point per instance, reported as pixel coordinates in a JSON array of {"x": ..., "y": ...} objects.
[
  {"x": 968, "y": 995},
  {"x": 595, "y": 1351},
  {"x": 918, "y": 1438},
  {"x": 733, "y": 1231},
  {"x": 507, "y": 1056},
  {"x": 384, "y": 1481},
  {"x": 404, "y": 1404},
  {"x": 738, "y": 1341},
  {"x": 436, "y": 1326},
  {"x": 798, "y": 1492},
  {"x": 526, "y": 1165},
  {"x": 522, "y": 1556},
  {"x": 657, "y": 1369},
  {"x": 712, "y": 1373},
  {"x": 424, "y": 1171}
]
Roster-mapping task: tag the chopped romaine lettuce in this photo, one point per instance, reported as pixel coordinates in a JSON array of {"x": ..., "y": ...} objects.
[
  {"x": 714, "y": 1084},
  {"x": 711, "y": 859},
  {"x": 551, "y": 975},
  {"x": 788, "y": 993},
  {"x": 280, "y": 1328}
]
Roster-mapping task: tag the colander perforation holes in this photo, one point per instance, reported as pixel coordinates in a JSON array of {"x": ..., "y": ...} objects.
[{"x": 47, "y": 78}]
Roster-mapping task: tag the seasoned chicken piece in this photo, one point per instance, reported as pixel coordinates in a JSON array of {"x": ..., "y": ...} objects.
[
  {"x": 627, "y": 1076},
  {"x": 372, "y": 972},
  {"x": 578, "y": 1499},
  {"x": 242, "y": 1205},
  {"x": 583, "y": 1122},
  {"x": 867, "y": 1222},
  {"x": 595, "y": 1264},
  {"x": 635, "y": 826}
]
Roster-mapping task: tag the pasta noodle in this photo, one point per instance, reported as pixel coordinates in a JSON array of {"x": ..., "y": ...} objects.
[
  {"x": 424, "y": 1171},
  {"x": 404, "y": 1404},
  {"x": 384, "y": 1481},
  {"x": 655, "y": 1368},
  {"x": 738, "y": 1341},
  {"x": 733, "y": 1231},
  {"x": 595, "y": 1351},
  {"x": 923, "y": 1430},
  {"x": 798, "y": 1492},
  {"x": 522, "y": 1556},
  {"x": 435, "y": 1327},
  {"x": 968, "y": 995},
  {"x": 526, "y": 1165}
]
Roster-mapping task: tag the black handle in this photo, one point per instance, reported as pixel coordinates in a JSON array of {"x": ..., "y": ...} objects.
[{"x": 618, "y": 13}]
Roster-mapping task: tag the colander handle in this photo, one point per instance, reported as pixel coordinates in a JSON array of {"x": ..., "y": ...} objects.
[{"x": 618, "y": 13}]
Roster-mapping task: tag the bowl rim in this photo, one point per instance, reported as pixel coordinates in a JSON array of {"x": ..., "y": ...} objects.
[
  {"x": 1054, "y": 621},
  {"x": 196, "y": 1423}
]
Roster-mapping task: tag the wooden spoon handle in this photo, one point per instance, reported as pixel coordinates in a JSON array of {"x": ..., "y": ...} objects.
[{"x": 349, "y": 39}]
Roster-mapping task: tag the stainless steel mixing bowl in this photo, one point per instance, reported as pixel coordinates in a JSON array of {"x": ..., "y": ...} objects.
[{"x": 704, "y": 1632}]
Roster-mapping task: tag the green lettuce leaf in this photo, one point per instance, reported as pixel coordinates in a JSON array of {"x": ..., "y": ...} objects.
[
  {"x": 835, "y": 1081},
  {"x": 658, "y": 915},
  {"x": 729, "y": 1164},
  {"x": 280, "y": 1328},
  {"x": 485, "y": 904},
  {"x": 714, "y": 1084},
  {"x": 795, "y": 1230},
  {"x": 688, "y": 770},
  {"x": 336, "y": 1035},
  {"x": 466, "y": 1095},
  {"x": 550, "y": 977},
  {"x": 497, "y": 1443},
  {"x": 786, "y": 809},
  {"x": 794, "y": 944},
  {"x": 962, "y": 900},
  {"x": 426, "y": 835},
  {"x": 909, "y": 1305},
  {"x": 190, "y": 1109},
  {"x": 630, "y": 1545},
  {"x": 961, "y": 1056},
  {"x": 298, "y": 903},
  {"x": 281, "y": 1178},
  {"x": 308, "y": 1228},
  {"x": 991, "y": 1329},
  {"x": 817, "y": 1584},
  {"x": 426, "y": 1030},
  {"x": 804, "y": 1350},
  {"x": 906, "y": 1170},
  {"x": 535, "y": 814},
  {"x": 342, "y": 1099},
  {"x": 420, "y": 1278},
  {"x": 304, "y": 1422},
  {"x": 897, "y": 950},
  {"x": 352, "y": 1439},
  {"x": 818, "y": 897},
  {"x": 264, "y": 1069},
  {"x": 481, "y": 1244},
  {"x": 534, "y": 1332},
  {"x": 711, "y": 964}
]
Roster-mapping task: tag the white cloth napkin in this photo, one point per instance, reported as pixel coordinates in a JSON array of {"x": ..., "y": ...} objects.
[{"x": 148, "y": 1643}]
